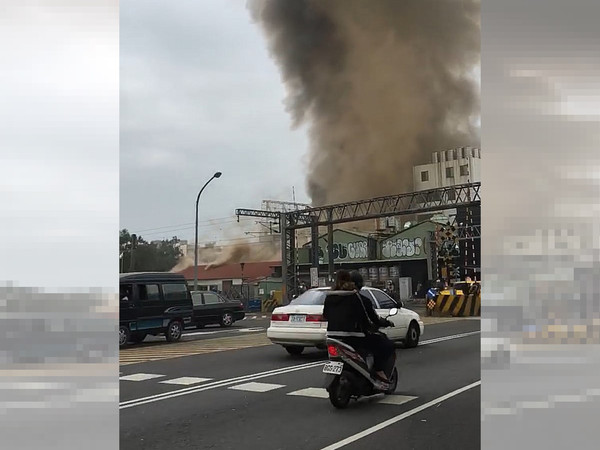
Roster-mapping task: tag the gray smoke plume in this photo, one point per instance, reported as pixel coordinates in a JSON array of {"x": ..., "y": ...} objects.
[
  {"x": 247, "y": 252},
  {"x": 381, "y": 84}
]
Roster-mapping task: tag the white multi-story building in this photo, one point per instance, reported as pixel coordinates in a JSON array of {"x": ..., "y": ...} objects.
[{"x": 448, "y": 168}]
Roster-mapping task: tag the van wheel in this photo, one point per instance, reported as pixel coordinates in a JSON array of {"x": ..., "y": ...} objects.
[
  {"x": 174, "y": 331},
  {"x": 226, "y": 319},
  {"x": 123, "y": 336},
  {"x": 294, "y": 349}
]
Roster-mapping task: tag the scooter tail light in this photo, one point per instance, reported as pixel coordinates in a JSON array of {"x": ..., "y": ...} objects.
[{"x": 332, "y": 350}]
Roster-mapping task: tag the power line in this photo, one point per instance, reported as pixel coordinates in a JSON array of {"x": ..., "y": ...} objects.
[
  {"x": 217, "y": 220},
  {"x": 186, "y": 226}
]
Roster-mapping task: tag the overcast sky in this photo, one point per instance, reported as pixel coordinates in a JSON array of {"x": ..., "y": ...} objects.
[
  {"x": 199, "y": 94},
  {"x": 59, "y": 84}
]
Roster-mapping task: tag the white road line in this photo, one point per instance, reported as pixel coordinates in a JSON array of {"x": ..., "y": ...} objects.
[
  {"x": 216, "y": 384},
  {"x": 395, "y": 399},
  {"x": 447, "y": 338},
  {"x": 400, "y": 417},
  {"x": 232, "y": 330},
  {"x": 185, "y": 381},
  {"x": 257, "y": 387},
  {"x": 140, "y": 377},
  {"x": 311, "y": 392}
]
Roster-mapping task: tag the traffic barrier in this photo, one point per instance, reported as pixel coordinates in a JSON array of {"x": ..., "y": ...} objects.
[
  {"x": 269, "y": 304},
  {"x": 456, "y": 305}
]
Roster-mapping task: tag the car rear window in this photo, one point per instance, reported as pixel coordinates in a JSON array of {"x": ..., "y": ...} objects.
[{"x": 311, "y": 297}]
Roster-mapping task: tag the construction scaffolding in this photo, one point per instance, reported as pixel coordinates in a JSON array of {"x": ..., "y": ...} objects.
[{"x": 465, "y": 197}]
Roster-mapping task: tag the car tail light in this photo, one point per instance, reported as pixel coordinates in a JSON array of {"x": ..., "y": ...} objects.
[
  {"x": 315, "y": 318},
  {"x": 332, "y": 350},
  {"x": 280, "y": 317}
]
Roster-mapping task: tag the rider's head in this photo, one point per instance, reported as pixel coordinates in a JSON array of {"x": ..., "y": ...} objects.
[
  {"x": 357, "y": 279},
  {"x": 343, "y": 281}
]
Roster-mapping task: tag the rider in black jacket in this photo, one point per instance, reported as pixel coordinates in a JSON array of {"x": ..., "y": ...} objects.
[
  {"x": 381, "y": 347},
  {"x": 350, "y": 316}
]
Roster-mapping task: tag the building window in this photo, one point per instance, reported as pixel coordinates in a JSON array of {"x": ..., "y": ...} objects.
[
  {"x": 449, "y": 172},
  {"x": 464, "y": 170},
  {"x": 425, "y": 176}
]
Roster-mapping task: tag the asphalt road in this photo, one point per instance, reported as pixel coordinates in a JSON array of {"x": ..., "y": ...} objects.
[{"x": 259, "y": 397}]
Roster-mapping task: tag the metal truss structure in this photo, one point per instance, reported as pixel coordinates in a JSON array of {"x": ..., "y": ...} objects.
[
  {"x": 257, "y": 213},
  {"x": 392, "y": 205},
  {"x": 280, "y": 206},
  {"x": 459, "y": 196}
]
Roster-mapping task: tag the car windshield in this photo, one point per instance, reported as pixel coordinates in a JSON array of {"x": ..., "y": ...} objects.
[{"x": 311, "y": 297}]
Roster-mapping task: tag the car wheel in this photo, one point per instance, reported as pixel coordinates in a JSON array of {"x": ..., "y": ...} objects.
[
  {"x": 138, "y": 337},
  {"x": 174, "y": 331},
  {"x": 123, "y": 336},
  {"x": 294, "y": 349},
  {"x": 226, "y": 319},
  {"x": 412, "y": 336}
]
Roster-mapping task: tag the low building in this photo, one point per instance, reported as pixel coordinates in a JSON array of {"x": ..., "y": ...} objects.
[
  {"x": 251, "y": 280},
  {"x": 401, "y": 261}
]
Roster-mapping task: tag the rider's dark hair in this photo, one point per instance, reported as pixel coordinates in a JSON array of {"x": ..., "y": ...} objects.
[
  {"x": 357, "y": 279},
  {"x": 343, "y": 281}
]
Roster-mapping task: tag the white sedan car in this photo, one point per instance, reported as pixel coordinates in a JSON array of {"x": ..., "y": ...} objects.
[{"x": 300, "y": 324}]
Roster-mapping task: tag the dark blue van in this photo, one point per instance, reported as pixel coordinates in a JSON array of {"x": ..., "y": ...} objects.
[{"x": 154, "y": 303}]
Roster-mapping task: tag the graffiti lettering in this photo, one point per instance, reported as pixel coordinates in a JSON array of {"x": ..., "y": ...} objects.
[
  {"x": 400, "y": 248},
  {"x": 353, "y": 250}
]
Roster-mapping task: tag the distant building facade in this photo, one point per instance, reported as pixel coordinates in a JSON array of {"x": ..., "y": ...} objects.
[{"x": 448, "y": 168}]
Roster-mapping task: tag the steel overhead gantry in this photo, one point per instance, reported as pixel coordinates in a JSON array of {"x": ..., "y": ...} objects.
[
  {"x": 257, "y": 213},
  {"x": 458, "y": 196}
]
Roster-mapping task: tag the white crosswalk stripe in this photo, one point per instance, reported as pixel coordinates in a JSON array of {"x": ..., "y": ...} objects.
[
  {"x": 308, "y": 392},
  {"x": 311, "y": 392},
  {"x": 140, "y": 377},
  {"x": 257, "y": 387},
  {"x": 185, "y": 381}
]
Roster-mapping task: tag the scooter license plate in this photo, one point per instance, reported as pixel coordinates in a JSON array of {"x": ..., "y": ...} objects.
[{"x": 333, "y": 368}]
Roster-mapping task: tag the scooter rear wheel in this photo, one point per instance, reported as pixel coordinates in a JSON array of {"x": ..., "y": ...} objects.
[
  {"x": 339, "y": 394},
  {"x": 393, "y": 382}
]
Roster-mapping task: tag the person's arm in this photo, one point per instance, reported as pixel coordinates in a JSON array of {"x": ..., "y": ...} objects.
[{"x": 371, "y": 312}]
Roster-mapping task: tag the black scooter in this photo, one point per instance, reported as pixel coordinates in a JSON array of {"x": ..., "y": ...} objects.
[{"x": 350, "y": 374}]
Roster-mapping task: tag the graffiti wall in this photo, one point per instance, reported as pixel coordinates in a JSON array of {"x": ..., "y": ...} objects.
[
  {"x": 403, "y": 248},
  {"x": 347, "y": 251},
  {"x": 410, "y": 243}
]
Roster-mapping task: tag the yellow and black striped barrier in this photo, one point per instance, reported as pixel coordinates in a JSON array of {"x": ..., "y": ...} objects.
[
  {"x": 269, "y": 304},
  {"x": 455, "y": 305}
]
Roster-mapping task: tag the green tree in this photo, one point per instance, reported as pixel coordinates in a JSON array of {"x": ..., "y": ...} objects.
[{"x": 159, "y": 256}]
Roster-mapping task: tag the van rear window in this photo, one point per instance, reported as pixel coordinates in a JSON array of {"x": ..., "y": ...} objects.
[{"x": 175, "y": 292}]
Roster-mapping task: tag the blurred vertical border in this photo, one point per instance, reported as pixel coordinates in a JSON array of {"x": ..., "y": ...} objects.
[
  {"x": 59, "y": 208},
  {"x": 540, "y": 230}
]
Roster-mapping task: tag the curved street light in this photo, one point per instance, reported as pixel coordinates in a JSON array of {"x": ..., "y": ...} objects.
[{"x": 216, "y": 175}]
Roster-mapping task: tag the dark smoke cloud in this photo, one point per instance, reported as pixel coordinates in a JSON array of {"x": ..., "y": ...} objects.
[{"x": 381, "y": 84}]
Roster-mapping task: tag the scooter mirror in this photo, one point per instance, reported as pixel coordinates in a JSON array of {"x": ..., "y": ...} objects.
[{"x": 393, "y": 312}]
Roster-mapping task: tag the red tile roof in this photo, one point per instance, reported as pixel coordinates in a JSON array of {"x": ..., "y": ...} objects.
[{"x": 252, "y": 271}]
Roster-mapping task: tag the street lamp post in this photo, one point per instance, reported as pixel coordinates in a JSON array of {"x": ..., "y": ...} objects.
[{"x": 216, "y": 175}]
